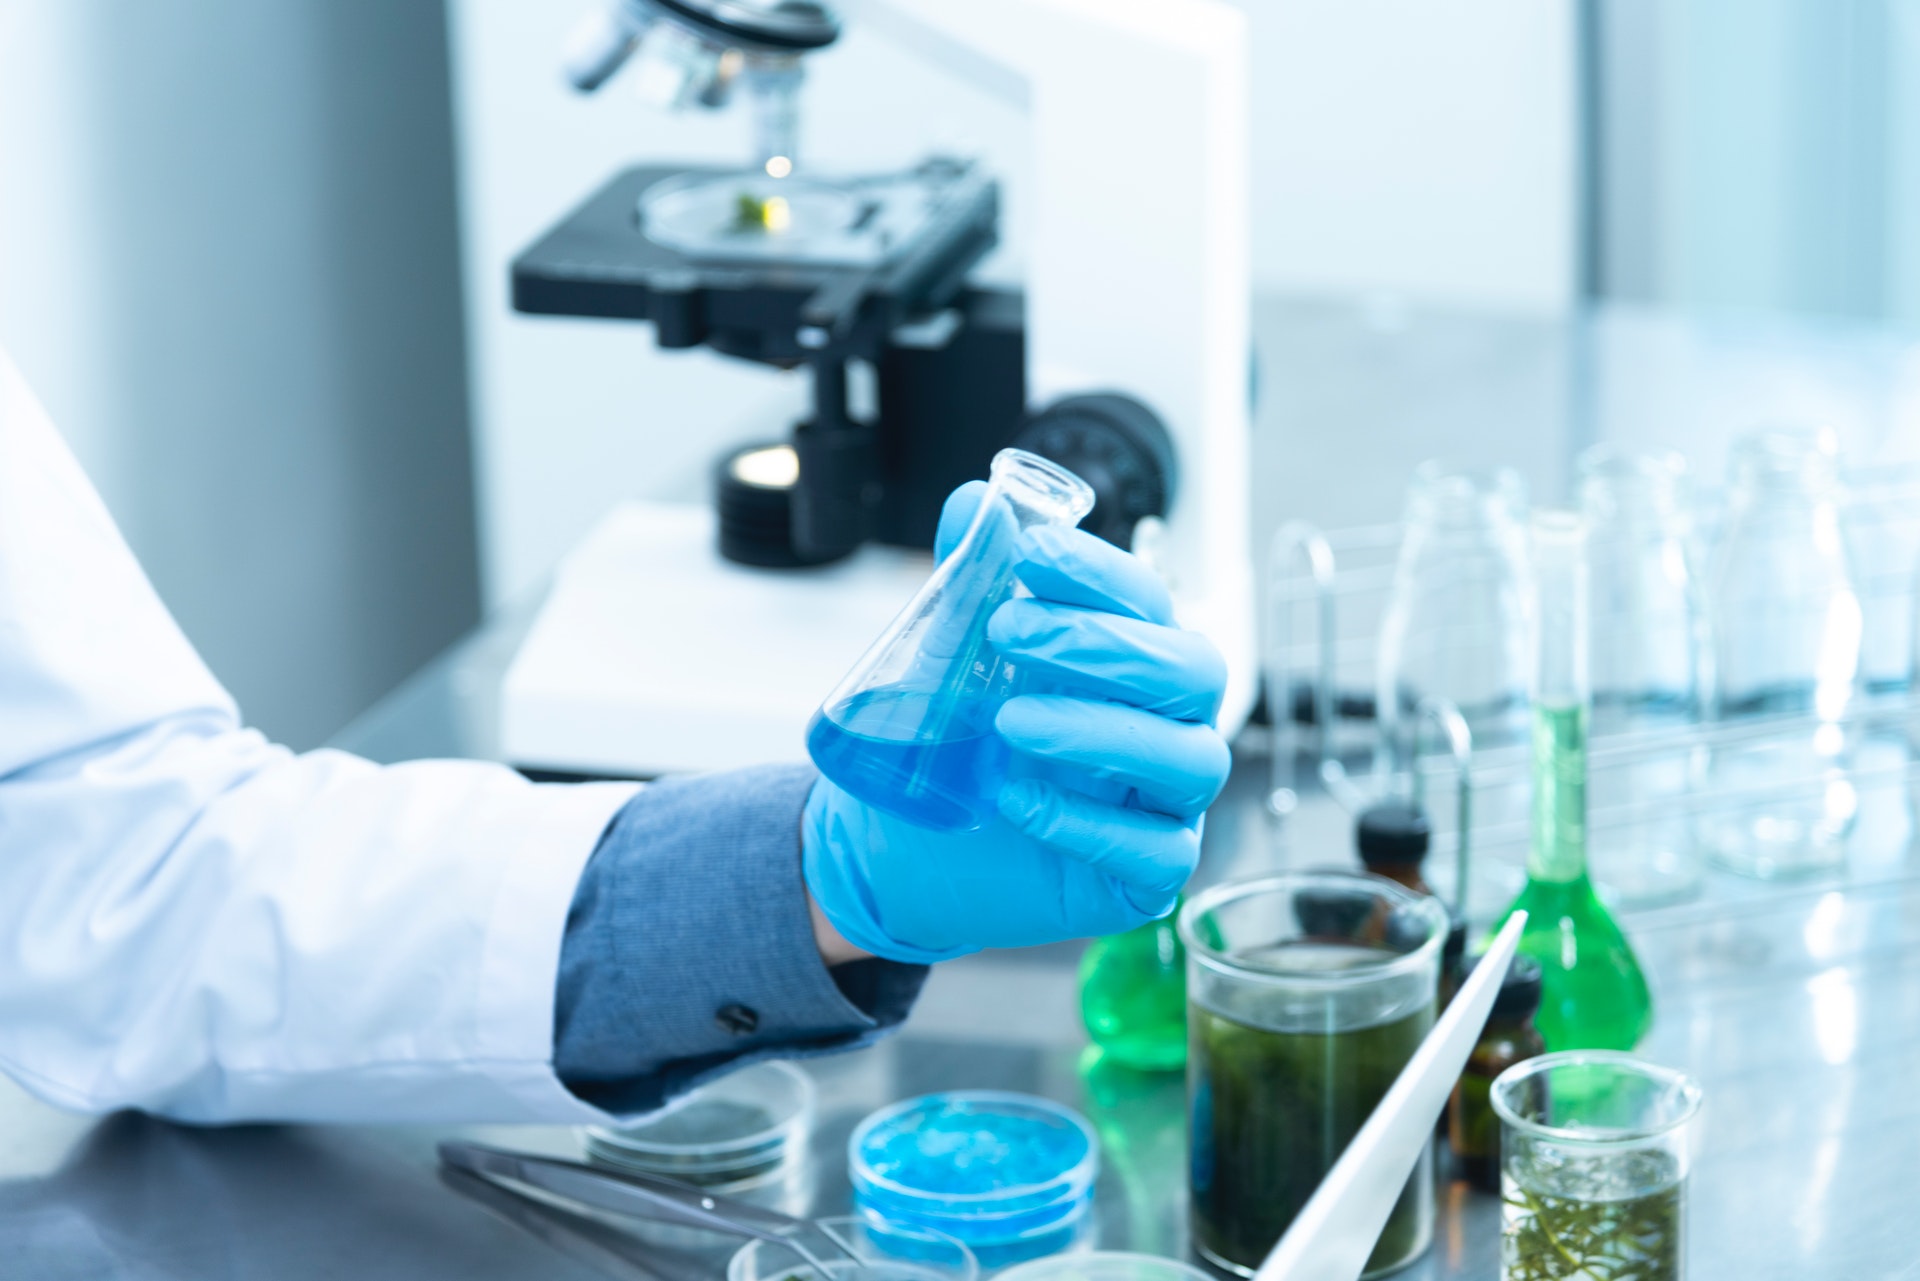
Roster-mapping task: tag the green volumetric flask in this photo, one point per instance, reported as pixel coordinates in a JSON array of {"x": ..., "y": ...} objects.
[
  {"x": 1593, "y": 994},
  {"x": 1133, "y": 996}
]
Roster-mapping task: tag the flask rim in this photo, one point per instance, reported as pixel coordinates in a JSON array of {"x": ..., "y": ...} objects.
[{"x": 1056, "y": 488}]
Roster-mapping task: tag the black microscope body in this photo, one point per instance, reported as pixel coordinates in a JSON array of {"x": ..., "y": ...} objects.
[{"x": 949, "y": 364}]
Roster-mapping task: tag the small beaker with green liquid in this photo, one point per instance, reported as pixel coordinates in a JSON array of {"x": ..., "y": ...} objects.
[
  {"x": 1593, "y": 1168},
  {"x": 1594, "y": 995}
]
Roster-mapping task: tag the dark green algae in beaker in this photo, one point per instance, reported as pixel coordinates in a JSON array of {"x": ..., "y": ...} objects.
[{"x": 1273, "y": 1109}]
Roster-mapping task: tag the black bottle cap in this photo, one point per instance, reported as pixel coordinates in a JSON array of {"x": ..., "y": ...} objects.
[
  {"x": 1393, "y": 834},
  {"x": 1519, "y": 993}
]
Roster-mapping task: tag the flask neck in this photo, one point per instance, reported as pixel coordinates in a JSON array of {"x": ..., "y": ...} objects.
[
  {"x": 1558, "y": 852},
  {"x": 1024, "y": 491},
  {"x": 1031, "y": 490},
  {"x": 1445, "y": 505},
  {"x": 1785, "y": 469},
  {"x": 1560, "y": 577},
  {"x": 1633, "y": 495}
]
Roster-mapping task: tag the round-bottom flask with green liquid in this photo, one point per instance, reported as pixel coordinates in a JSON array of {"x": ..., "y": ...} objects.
[
  {"x": 1133, "y": 996},
  {"x": 1593, "y": 994}
]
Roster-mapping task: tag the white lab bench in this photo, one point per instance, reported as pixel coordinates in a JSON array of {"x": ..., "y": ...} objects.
[{"x": 1797, "y": 1006}]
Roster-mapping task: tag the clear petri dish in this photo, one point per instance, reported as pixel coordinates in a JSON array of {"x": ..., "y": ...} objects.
[
  {"x": 741, "y": 1131},
  {"x": 881, "y": 1252},
  {"x": 1105, "y": 1265},
  {"x": 1011, "y": 1175}
]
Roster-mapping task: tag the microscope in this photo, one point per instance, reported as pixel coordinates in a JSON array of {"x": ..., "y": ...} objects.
[{"x": 1123, "y": 356}]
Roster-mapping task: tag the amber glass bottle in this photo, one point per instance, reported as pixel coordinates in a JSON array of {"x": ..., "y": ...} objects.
[{"x": 1510, "y": 1037}]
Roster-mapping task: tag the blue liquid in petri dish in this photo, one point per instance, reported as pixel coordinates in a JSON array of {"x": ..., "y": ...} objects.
[
  {"x": 872, "y": 746},
  {"x": 1011, "y": 1175}
]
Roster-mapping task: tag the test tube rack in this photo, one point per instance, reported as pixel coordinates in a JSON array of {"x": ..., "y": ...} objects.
[{"x": 1325, "y": 595}]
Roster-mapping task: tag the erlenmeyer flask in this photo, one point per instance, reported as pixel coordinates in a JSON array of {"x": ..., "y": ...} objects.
[
  {"x": 1786, "y": 626},
  {"x": 1456, "y": 619},
  {"x": 910, "y": 729},
  {"x": 1645, "y": 665}
]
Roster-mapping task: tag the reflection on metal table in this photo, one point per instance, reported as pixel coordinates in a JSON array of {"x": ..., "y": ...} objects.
[{"x": 1797, "y": 1007}]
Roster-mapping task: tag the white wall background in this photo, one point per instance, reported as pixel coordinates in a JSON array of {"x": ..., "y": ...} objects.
[
  {"x": 1417, "y": 147},
  {"x": 1413, "y": 147},
  {"x": 228, "y": 263},
  {"x": 1762, "y": 156}
]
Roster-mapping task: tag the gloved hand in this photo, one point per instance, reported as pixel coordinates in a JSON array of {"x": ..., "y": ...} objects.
[{"x": 1099, "y": 822}]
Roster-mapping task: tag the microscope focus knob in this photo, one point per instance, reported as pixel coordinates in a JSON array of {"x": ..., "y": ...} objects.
[{"x": 1119, "y": 447}]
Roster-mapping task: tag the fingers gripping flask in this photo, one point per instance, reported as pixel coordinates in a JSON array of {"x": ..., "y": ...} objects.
[{"x": 910, "y": 729}]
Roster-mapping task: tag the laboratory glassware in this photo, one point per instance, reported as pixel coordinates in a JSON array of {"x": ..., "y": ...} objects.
[
  {"x": 1455, "y": 625},
  {"x": 727, "y": 1134},
  {"x": 1509, "y": 1037},
  {"x": 1011, "y": 1175},
  {"x": 1644, "y": 657},
  {"x": 1392, "y": 838},
  {"x": 910, "y": 729},
  {"x": 1105, "y": 1265},
  {"x": 1133, "y": 996},
  {"x": 1593, "y": 1167},
  {"x": 1594, "y": 994},
  {"x": 1331, "y": 1238},
  {"x": 1307, "y": 994},
  {"x": 579, "y": 1190},
  {"x": 1786, "y": 626},
  {"x": 873, "y": 1252},
  {"x": 744, "y": 1135}
]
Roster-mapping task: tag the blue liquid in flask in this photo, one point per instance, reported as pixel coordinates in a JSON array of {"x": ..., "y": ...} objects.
[
  {"x": 910, "y": 729},
  {"x": 875, "y": 745}
]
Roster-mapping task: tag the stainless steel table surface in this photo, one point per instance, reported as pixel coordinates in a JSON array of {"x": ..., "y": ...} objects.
[{"x": 1798, "y": 1008}]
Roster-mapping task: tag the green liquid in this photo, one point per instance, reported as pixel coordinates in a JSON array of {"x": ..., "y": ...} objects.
[
  {"x": 1594, "y": 994},
  {"x": 1545, "y": 1237},
  {"x": 1133, "y": 997},
  {"x": 1273, "y": 1110}
]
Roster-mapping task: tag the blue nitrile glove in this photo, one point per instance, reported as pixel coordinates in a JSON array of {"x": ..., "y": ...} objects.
[{"x": 1099, "y": 823}]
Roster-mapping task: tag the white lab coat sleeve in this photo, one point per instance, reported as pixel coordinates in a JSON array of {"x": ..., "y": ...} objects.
[{"x": 196, "y": 922}]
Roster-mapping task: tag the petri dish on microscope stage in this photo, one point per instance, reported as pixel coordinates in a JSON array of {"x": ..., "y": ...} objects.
[
  {"x": 880, "y": 1252},
  {"x": 744, "y": 1131},
  {"x": 751, "y": 217},
  {"x": 1010, "y": 1175}
]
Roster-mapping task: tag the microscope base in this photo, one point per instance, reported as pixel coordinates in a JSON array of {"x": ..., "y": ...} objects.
[{"x": 652, "y": 654}]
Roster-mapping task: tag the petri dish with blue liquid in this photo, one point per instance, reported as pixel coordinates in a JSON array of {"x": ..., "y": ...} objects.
[
  {"x": 910, "y": 730},
  {"x": 1010, "y": 1175}
]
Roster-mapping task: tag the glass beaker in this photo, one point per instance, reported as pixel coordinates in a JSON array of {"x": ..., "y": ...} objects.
[
  {"x": 1594, "y": 994},
  {"x": 1786, "y": 628},
  {"x": 850, "y": 1248},
  {"x": 910, "y": 729},
  {"x": 1455, "y": 625},
  {"x": 1593, "y": 1167},
  {"x": 1307, "y": 994},
  {"x": 1644, "y": 658}
]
